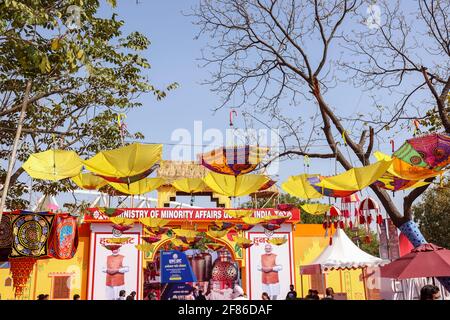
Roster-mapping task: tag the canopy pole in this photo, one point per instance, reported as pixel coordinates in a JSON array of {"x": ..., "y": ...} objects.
[
  {"x": 364, "y": 281},
  {"x": 301, "y": 282}
]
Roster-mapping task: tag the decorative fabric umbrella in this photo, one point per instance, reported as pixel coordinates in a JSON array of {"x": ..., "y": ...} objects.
[
  {"x": 316, "y": 208},
  {"x": 366, "y": 207},
  {"x": 328, "y": 192},
  {"x": 427, "y": 260},
  {"x": 112, "y": 247},
  {"x": 187, "y": 236},
  {"x": 120, "y": 241},
  {"x": 278, "y": 241},
  {"x": 152, "y": 239},
  {"x": 214, "y": 246},
  {"x": 121, "y": 224},
  {"x": 111, "y": 212},
  {"x": 234, "y": 186},
  {"x": 405, "y": 170},
  {"x": 126, "y": 164},
  {"x": 271, "y": 226},
  {"x": 21, "y": 269},
  {"x": 356, "y": 178},
  {"x": 139, "y": 187},
  {"x": 190, "y": 185},
  {"x": 299, "y": 186},
  {"x": 89, "y": 181},
  {"x": 53, "y": 165},
  {"x": 427, "y": 151},
  {"x": 157, "y": 230},
  {"x": 179, "y": 245},
  {"x": 145, "y": 247},
  {"x": 154, "y": 222},
  {"x": 350, "y": 205},
  {"x": 252, "y": 220},
  {"x": 267, "y": 185},
  {"x": 217, "y": 233},
  {"x": 233, "y": 160},
  {"x": 221, "y": 225},
  {"x": 243, "y": 243},
  {"x": 390, "y": 182},
  {"x": 243, "y": 226},
  {"x": 275, "y": 219},
  {"x": 239, "y": 213}
]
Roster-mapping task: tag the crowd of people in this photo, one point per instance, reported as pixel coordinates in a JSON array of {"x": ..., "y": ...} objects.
[{"x": 428, "y": 292}]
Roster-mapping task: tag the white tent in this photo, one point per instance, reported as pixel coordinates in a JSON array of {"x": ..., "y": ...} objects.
[{"x": 343, "y": 254}]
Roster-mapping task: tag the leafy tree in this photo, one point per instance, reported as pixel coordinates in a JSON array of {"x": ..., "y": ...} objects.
[
  {"x": 358, "y": 236},
  {"x": 432, "y": 214},
  {"x": 65, "y": 76}
]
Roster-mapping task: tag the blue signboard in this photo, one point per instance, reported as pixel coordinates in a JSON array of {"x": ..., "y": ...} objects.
[
  {"x": 175, "y": 267},
  {"x": 177, "y": 290}
]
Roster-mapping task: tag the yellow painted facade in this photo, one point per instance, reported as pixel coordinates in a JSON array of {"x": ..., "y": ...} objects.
[
  {"x": 43, "y": 276},
  {"x": 309, "y": 242}
]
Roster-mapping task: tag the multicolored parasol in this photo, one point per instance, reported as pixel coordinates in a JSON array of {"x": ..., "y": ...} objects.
[
  {"x": 152, "y": 239},
  {"x": 405, "y": 170},
  {"x": 426, "y": 151},
  {"x": 233, "y": 160},
  {"x": 390, "y": 182},
  {"x": 145, "y": 247},
  {"x": 126, "y": 164},
  {"x": 214, "y": 246},
  {"x": 53, "y": 165},
  {"x": 239, "y": 213},
  {"x": 217, "y": 233}
]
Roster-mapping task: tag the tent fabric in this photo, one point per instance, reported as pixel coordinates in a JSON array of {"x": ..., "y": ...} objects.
[
  {"x": 344, "y": 254},
  {"x": 140, "y": 187},
  {"x": 356, "y": 178},
  {"x": 190, "y": 185},
  {"x": 53, "y": 165},
  {"x": 126, "y": 162},
  {"x": 404, "y": 170},
  {"x": 234, "y": 186},
  {"x": 89, "y": 181},
  {"x": 316, "y": 208},
  {"x": 233, "y": 160},
  {"x": 298, "y": 186}
]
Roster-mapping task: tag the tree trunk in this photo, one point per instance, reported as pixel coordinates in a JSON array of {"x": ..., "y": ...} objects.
[{"x": 12, "y": 159}]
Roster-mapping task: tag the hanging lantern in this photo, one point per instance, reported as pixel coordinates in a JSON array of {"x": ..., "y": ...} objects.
[
  {"x": 366, "y": 207},
  {"x": 21, "y": 269},
  {"x": 349, "y": 204}
]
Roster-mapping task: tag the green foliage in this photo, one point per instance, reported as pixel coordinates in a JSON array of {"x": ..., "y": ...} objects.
[
  {"x": 82, "y": 78},
  {"x": 432, "y": 214},
  {"x": 358, "y": 237}
]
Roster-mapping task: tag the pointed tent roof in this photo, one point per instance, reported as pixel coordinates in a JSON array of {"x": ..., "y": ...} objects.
[{"x": 342, "y": 254}]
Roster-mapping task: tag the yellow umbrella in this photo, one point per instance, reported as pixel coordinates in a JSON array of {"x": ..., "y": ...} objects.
[
  {"x": 53, "y": 165},
  {"x": 185, "y": 233},
  {"x": 234, "y": 186},
  {"x": 139, "y": 187},
  {"x": 278, "y": 241},
  {"x": 404, "y": 170},
  {"x": 315, "y": 208},
  {"x": 239, "y": 213},
  {"x": 252, "y": 220},
  {"x": 243, "y": 243},
  {"x": 356, "y": 178},
  {"x": 119, "y": 240},
  {"x": 121, "y": 221},
  {"x": 126, "y": 164},
  {"x": 298, "y": 186},
  {"x": 89, "y": 181},
  {"x": 154, "y": 222},
  {"x": 145, "y": 247},
  {"x": 217, "y": 234},
  {"x": 190, "y": 185}
]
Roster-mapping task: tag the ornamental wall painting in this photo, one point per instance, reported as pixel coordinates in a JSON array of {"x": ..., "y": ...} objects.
[
  {"x": 6, "y": 238},
  {"x": 63, "y": 240},
  {"x": 30, "y": 235}
]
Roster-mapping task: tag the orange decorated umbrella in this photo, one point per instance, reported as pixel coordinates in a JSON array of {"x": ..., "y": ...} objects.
[{"x": 233, "y": 160}]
